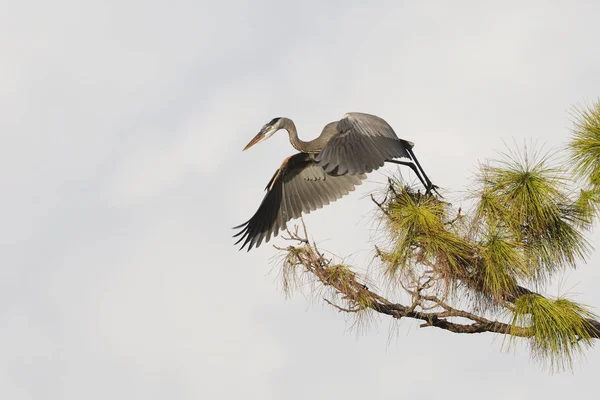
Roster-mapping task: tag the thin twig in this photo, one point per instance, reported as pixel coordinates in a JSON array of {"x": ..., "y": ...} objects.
[
  {"x": 380, "y": 205},
  {"x": 348, "y": 310}
]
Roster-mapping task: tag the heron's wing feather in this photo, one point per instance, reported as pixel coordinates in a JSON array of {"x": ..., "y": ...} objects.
[
  {"x": 299, "y": 186},
  {"x": 363, "y": 143}
]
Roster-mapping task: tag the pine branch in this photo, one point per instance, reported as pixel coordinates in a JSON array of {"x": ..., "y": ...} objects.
[{"x": 360, "y": 297}]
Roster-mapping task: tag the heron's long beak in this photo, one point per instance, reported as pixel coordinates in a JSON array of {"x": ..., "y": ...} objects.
[{"x": 257, "y": 139}]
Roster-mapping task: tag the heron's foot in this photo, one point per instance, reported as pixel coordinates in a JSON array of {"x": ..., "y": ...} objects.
[{"x": 432, "y": 188}]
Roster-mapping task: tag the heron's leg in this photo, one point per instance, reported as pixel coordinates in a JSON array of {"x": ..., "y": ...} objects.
[
  {"x": 429, "y": 184},
  {"x": 413, "y": 167}
]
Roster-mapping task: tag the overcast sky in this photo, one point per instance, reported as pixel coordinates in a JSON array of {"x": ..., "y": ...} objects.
[{"x": 122, "y": 174}]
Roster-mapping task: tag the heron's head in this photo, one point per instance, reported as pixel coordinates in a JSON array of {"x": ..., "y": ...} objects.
[{"x": 266, "y": 132}]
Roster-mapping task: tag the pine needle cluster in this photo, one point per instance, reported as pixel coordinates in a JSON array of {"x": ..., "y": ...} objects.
[
  {"x": 560, "y": 328},
  {"x": 526, "y": 224}
]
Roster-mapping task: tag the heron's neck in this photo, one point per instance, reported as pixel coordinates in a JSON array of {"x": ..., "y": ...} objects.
[{"x": 298, "y": 144}]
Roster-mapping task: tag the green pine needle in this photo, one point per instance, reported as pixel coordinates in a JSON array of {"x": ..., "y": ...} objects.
[
  {"x": 502, "y": 262},
  {"x": 585, "y": 143},
  {"x": 419, "y": 221},
  {"x": 560, "y": 330},
  {"x": 527, "y": 195}
]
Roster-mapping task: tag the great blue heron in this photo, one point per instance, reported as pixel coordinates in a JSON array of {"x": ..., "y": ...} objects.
[{"x": 326, "y": 169}]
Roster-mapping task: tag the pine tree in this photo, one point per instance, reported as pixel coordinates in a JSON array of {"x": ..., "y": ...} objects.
[{"x": 489, "y": 265}]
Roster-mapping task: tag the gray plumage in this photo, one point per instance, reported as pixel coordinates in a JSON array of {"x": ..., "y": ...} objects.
[
  {"x": 299, "y": 186},
  {"x": 360, "y": 143},
  {"x": 325, "y": 170}
]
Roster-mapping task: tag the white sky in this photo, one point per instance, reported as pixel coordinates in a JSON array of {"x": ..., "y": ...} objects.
[{"x": 122, "y": 173}]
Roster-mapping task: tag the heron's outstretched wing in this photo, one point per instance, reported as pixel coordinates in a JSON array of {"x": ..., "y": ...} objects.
[
  {"x": 299, "y": 186},
  {"x": 363, "y": 143}
]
